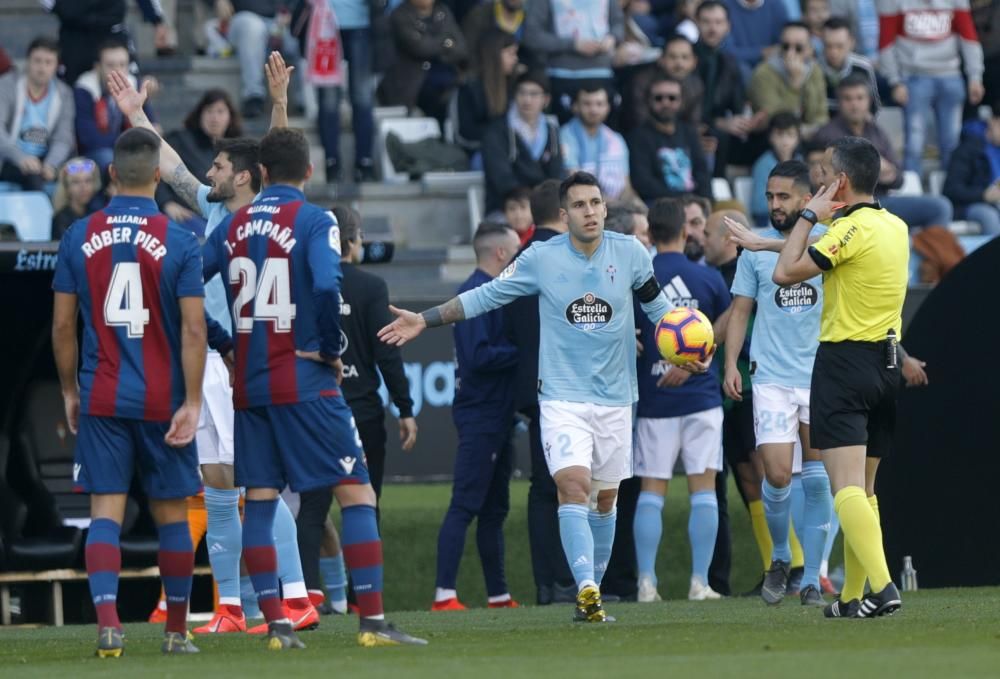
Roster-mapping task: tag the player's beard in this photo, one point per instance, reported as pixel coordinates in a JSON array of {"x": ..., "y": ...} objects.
[
  {"x": 693, "y": 250},
  {"x": 787, "y": 223},
  {"x": 220, "y": 194}
]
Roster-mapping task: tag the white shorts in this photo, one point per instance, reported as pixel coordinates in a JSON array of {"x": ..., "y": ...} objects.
[
  {"x": 777, "y": 412},
  {"x": 695, "y": 438},
  {"x": 215, "y": 425},
  {"x": 588, "y": 435}
]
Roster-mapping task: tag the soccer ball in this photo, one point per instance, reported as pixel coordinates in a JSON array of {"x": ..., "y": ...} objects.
[{"x": 684, "y": 335}]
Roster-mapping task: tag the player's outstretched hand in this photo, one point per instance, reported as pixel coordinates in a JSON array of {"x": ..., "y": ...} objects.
[
  {"x": 699, "y": 367},
  {"x": 744, "y": 237},
  {"x": 183, "y": 425},
  {"x": 129, "y": 101},
  {"x": 407, "y": 433},
  {"x": 278, "y": 76},
  {"x": 333, "y": 362},
  {"x": 71, "y": 402},
  {"x": 732, "y": 385},
  {"x": 406, "y": 327},
  {"x": 913, "y": 372},
  {"x": 673, "y": 378}
]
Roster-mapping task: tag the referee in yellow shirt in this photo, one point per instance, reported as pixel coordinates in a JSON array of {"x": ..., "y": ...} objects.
[{"x": 864, "y": 258}]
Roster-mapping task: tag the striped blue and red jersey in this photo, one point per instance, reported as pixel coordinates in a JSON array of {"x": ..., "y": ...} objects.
[
  {"x": 128, "y": 264},
  {"x": 280, "y": 260}
]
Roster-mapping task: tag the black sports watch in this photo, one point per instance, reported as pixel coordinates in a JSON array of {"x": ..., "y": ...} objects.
[{"x": 809, "y": 216}]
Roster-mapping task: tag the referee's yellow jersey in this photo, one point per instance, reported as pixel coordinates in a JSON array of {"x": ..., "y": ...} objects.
[{"x": 865, "y": 257}]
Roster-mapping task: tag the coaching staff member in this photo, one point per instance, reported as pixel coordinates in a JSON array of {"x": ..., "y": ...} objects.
[{"x": 864, "y": 258}]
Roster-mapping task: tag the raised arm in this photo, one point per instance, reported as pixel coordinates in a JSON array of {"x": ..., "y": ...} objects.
[
  {"x": 278, "y": 75},
  {"x": 172, "y": 168}
]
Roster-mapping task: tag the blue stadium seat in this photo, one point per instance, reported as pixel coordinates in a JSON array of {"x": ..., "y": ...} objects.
[
  {"x": 30, "y": 212},
  {"x": 7, "y": 187}
]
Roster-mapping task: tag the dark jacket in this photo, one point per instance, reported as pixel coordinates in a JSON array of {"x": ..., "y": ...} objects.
[
  {"x": 656, "y": 158},
  {"x": 724, "y": 91},
  {"x": 969, "y": 172},
  {"x": 507, "y": 162},
  {"x": 264, "y": 8},
  {"x": 419, "y": 41},
  {"x": 364, "y": 310},
  {"x": 523, "y": 329},
  {"x": 484, "y": 358},
  {"x": 473, "y": 114},
  {"x": 197, "y": 151}
]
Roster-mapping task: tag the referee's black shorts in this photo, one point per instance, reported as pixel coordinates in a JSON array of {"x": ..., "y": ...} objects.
[
  {"x": 738, "y": 439},
  {"x": 853, "y": 397}
]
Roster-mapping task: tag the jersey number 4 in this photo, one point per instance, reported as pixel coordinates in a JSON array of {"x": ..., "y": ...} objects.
[
  {"x": 271, "y": 293},
  {"x": 123, "y": 301}
]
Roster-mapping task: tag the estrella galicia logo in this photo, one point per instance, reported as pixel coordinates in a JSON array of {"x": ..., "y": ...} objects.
[
  {"x": 796, "y": 299},
  {"x": 589, "y": 313}
]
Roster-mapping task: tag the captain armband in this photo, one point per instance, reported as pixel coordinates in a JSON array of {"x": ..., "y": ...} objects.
[{"x": 648, "y": 291}]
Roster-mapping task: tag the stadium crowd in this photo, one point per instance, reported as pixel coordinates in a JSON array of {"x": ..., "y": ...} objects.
[{"x": 657, "y": 100}]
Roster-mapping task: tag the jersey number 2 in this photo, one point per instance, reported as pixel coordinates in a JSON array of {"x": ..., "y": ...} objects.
[
  {"x": 123, "y": 301},
  {"x": 271, "y": 293}
]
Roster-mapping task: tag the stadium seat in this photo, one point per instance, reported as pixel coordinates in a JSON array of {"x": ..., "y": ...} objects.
[
  {"x": 30, "y": 212},
  {"x": 7, "y": 187},
  {"x": 743, "y": 188},
  {"x": 935, "y": 182},
  {"x": 911, "y": 185},
  {"x": 408, "y": 130},
  {"x": 720, "y": 189}
]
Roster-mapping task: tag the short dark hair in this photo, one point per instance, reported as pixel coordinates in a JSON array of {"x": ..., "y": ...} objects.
[
  {"x": 545, "y": 202},
  {"x": 284, "y": 153},
  {"x": 518, "y": 193},
  {"x": 111, "y": 44},
  {"x": 349, "y": 222},
  {"x": 536, "y": 76},
  {"x": 621, "y": 217},
  {"x": 43, "y": 42},
  {"x": 795, "y": 24},
  {"x": 711, "y": 4},
  {"x": 591, "y": 87},
  {"x": 576, "y": 179},
  {"x": 213, "y": 96},
  {"x": 693, "y": 199},
  {"x": 486, "y": 232},
  {"x": 677, "y": 37},
  {"x": 666, "y": 220},
  {"x": 795, "y": 170},
  {"x": 660, "y": 77},
  {"x": 783, "y": 120},
  {"x": 814, "y": 145},
  {"x": 857, "y": 158},
  {"x": 836, "y": 24},
  {"x": 244, "y": 154},
  {"x": 854, "y": 80},
  {"x": 136, "y": 157}
]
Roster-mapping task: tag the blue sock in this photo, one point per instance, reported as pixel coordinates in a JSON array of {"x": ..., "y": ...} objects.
[
  {"x": 647, "y": 528},
  {"x": 363, "y": 555},
  {"x": 334, "y": 576},
  {"x": 176, "y": 562},
  {"x": 578, "y": 543},
  {"x": 703, "y": 527},
  {"x": 816, "y": 518},
  {"x": 777, "y": 507},
  {"x": 286, "y": 543},
  {"x": 831, "y": 536},
  {"x": 602, "y": 527},
  {"x": 249, "y": 598},
  {"x": 798, "y": 504},
  {"x": 260, "y": 557},
  {"x": 225, "y": 541}
]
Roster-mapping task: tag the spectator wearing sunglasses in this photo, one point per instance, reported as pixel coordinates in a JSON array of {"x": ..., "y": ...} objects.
[
  {"x": 36, "y": 119},
  {"x": 665, "y": 155},
  {"x": 792, "y": 81},
  {"x": 76, "y": 195}
]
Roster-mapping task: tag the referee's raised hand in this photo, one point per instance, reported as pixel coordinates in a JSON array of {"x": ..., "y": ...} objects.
[{"x": 824, "y": 203}]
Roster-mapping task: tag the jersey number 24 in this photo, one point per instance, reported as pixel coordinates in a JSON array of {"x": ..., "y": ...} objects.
[{"x": 270, "y": 293}]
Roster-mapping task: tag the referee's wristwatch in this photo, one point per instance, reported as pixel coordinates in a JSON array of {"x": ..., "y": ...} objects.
[{"x": 809, "y": 216}]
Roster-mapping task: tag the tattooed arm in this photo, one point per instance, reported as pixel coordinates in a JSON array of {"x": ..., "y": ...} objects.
[
  {"x": 172, "y": 168},
  {"x": 409, "y": 324}
]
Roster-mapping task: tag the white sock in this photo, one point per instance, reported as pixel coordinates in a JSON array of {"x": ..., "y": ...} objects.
[
  {"x": 230, "y": 601},
  {"x": 823, "y": 568},
  {"x": 499, "y": 599},
  {"x": 294, "y": 590},
  {"x": 339, "y": 605},
  {"x": 441, "y": 594}
]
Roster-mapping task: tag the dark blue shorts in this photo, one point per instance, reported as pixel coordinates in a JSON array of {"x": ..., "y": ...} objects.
[
  {"x": 304, "y": 445},
  {"x": 108, "y": 449}
]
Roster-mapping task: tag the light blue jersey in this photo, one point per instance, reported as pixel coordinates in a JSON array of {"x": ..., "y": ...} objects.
[
  {"x": 786, "y": 330},
  {"x": 215, "y": 289},
  {"x": 586, "y": 350}
]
